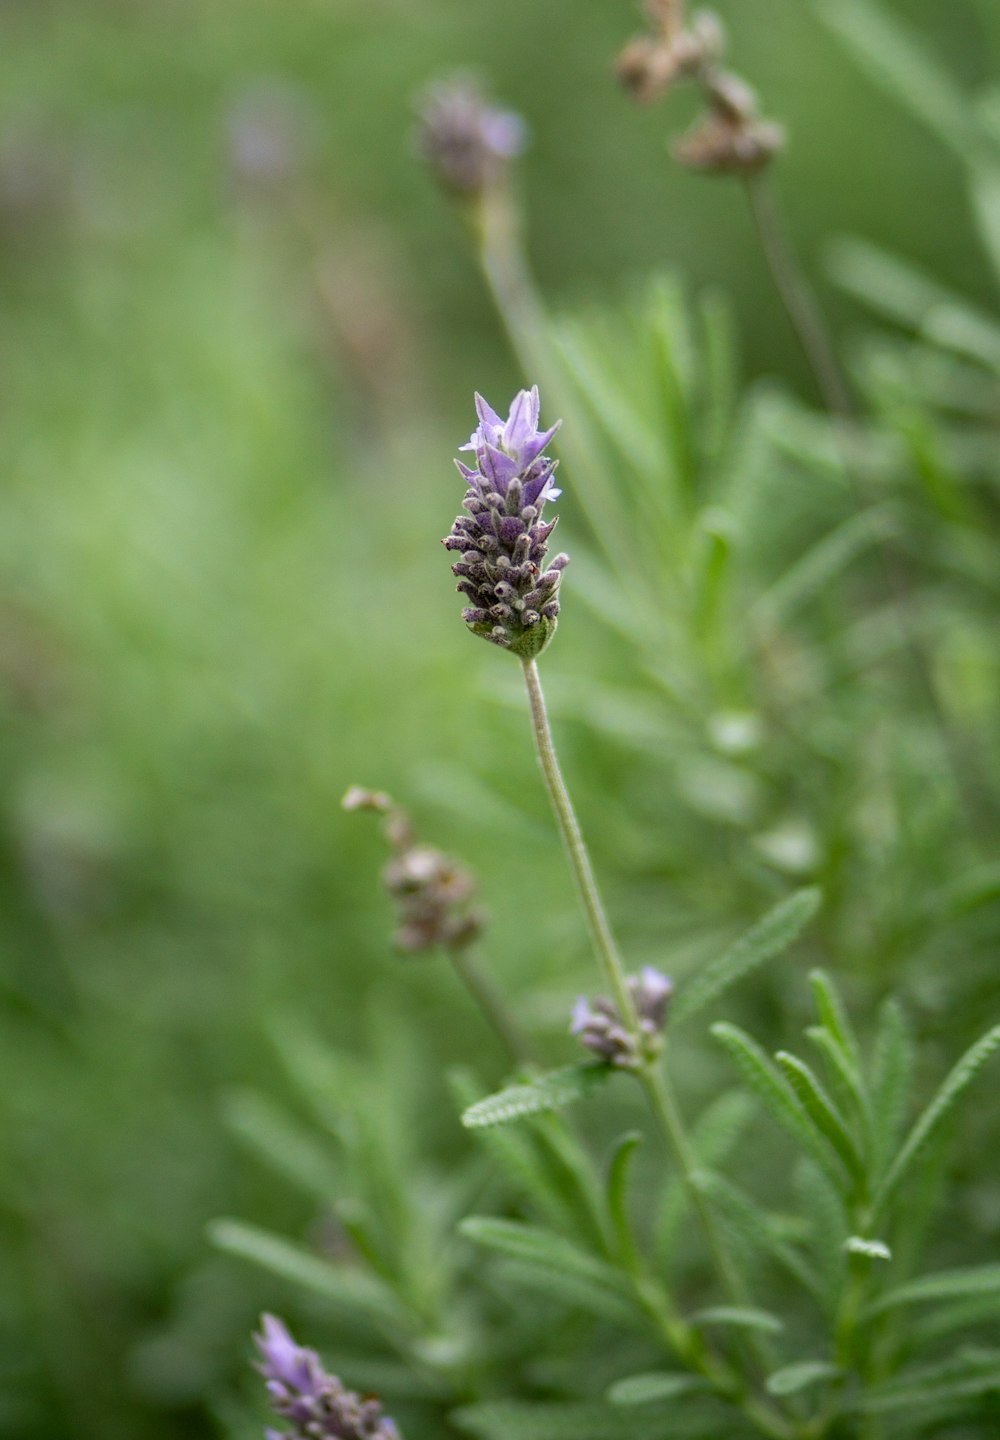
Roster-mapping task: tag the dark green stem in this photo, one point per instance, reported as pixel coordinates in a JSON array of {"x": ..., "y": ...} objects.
[{"x": 479, "y": 983}]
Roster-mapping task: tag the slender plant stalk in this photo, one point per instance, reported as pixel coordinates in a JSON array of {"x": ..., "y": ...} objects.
[
  {"x": 651, "y": 1075},
  {"x": 798, "y": 299},
  {"x": 477, "y": 980}
]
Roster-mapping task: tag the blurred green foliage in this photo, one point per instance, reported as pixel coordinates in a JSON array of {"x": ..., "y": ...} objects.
[{"x": 239, "y": 336}]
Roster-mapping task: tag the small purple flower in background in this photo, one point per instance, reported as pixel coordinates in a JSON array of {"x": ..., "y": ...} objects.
[
  {"x": 502, "y": 536},
  {"x": 467, "y": 142},
  {"x": 315, "y": 1404},
  {"x": 601, "y": 1029}
]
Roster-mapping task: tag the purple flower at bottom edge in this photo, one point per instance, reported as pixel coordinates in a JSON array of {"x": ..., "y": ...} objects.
[{"x": 315, "y": 1404}]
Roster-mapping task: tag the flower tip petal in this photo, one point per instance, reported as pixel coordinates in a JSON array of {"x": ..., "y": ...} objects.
[{"x": 486, "y": 413}]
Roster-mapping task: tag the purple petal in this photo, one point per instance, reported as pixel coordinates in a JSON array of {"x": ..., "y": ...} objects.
[
  {"x": 488, "y": 417},
  {"x": 466, "y": 473},
  {"x": 498, "y": 468},
  {"x": 582, "y": 1016},
  {"x": 522, "y": 422},
  {"x": 535, "y": 444}
]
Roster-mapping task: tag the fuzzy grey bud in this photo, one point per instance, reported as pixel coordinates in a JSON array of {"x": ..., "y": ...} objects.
[{"x": 601, "y": 1029}]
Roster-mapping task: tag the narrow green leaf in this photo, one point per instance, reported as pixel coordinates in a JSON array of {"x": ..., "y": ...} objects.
[
  {"x": 618, "y": 1181},
  {"x": 548, "y": 1092},
  {"x": 354, "y": 1293},
  {"x": 546, "y": 1251},
  {"x": 713, "y": 1138},
  {"x": 897, "y": 62},
  {"x": 280, "y": 1142},
  {"x": 822, "y": 1203},
  {"x": 756, "y": 1230},
  {"x": 834, "y": 1017},
  {"x": 843, "y": 1072},
  {"x": 976, "y": 1372},
  {"x": 820, "y": 564},
  {"x": 743, "y": 1317},
  {"x": 822, "y": 1111},
  {"x": 647, "y": 1389},
  {"x": 945, "y": 1285},
  {"x": 960, "y": 1078},
  {"x": 792, "y": 1379},
  {"x": 763, "y": 941},
  {"x": 515, "y": 1420},
  {"x": 892, "y": 1071},
  {"x": 515, "y": 1152},
  {"x": 521, "y": 1280},
  {"x": 781, "y": 1101}
]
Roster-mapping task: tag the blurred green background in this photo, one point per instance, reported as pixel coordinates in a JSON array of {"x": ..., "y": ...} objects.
[{"x": 240, "y": 331}]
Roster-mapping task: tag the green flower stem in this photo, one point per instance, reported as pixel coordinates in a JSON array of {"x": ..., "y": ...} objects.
[
  {"x": 477, "y": 979},
  {"x": 658, "y": 1091},
  {"x": 579, "y": 858}
]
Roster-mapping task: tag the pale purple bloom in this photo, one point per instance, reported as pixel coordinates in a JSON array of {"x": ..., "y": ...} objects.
[
  {"x": 502, "y": 536},
  {"x": 315, "y": 1404},
  {"x": 466, "y": 141},
  {"x": 601, "y": 1029}
]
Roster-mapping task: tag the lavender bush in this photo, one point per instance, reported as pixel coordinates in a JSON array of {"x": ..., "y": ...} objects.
[{"x": 713, "y": 1286}]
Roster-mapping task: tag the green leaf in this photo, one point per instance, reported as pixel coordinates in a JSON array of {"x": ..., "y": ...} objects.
[
  {"x": 743, "y": 1317},
  {"x": 713, "y": 1137},
  {"x": 892, "y": 1069},
  {"x": 546, "y": 1251},
  {"x": 945, "y": 1285},
  {"x": 792, "y": 1379},
  {"x": 548, "y": 1092},
  {"x": 520, "y": 1280},
  {"x": 820, "y": 564},
  {"x": 976, "y": 1372},
  {"x": 618, "y": 1181},
  {"x": 756, "y": 1229},
  {"x": 822, "y": 1203},
  {"x": 515, "y": 1152},
  {"x": 655, "y": 1385},
  {"x": 834, "y": 1017},
  {"x": 960, "y": 1078},
  {"x": 763, "y": 941},
  {"x": 286, "y": 1146},
  {"x": 780, "y": 1100},
  {"x": 353, "y": 1293},
  {"x": 887, "y": 50},
  {"x": 514, "y": 1420},
  {"x": 822, "y": 1111}
]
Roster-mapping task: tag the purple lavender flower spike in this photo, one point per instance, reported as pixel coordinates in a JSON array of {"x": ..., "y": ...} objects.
[
  {"x": 315, "y": 1404},
  {"x": 601, "y": 1030},
  {"x": 513, "y": 596},
  {"x": 467, "y": 142}
]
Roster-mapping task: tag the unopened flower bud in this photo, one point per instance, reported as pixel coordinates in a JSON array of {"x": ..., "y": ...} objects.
[
  {"x": 602, "y": 1030},
  {"x": 467, "y": 143}
]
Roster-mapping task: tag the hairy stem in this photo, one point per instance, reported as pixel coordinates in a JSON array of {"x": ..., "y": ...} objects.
[
  {"x": 654, "y": 1081},
  {"x": 798, "y": 299}
]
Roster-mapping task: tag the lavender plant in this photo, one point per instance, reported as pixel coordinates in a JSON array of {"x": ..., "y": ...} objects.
[{"x": 695, "y": 1305}]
